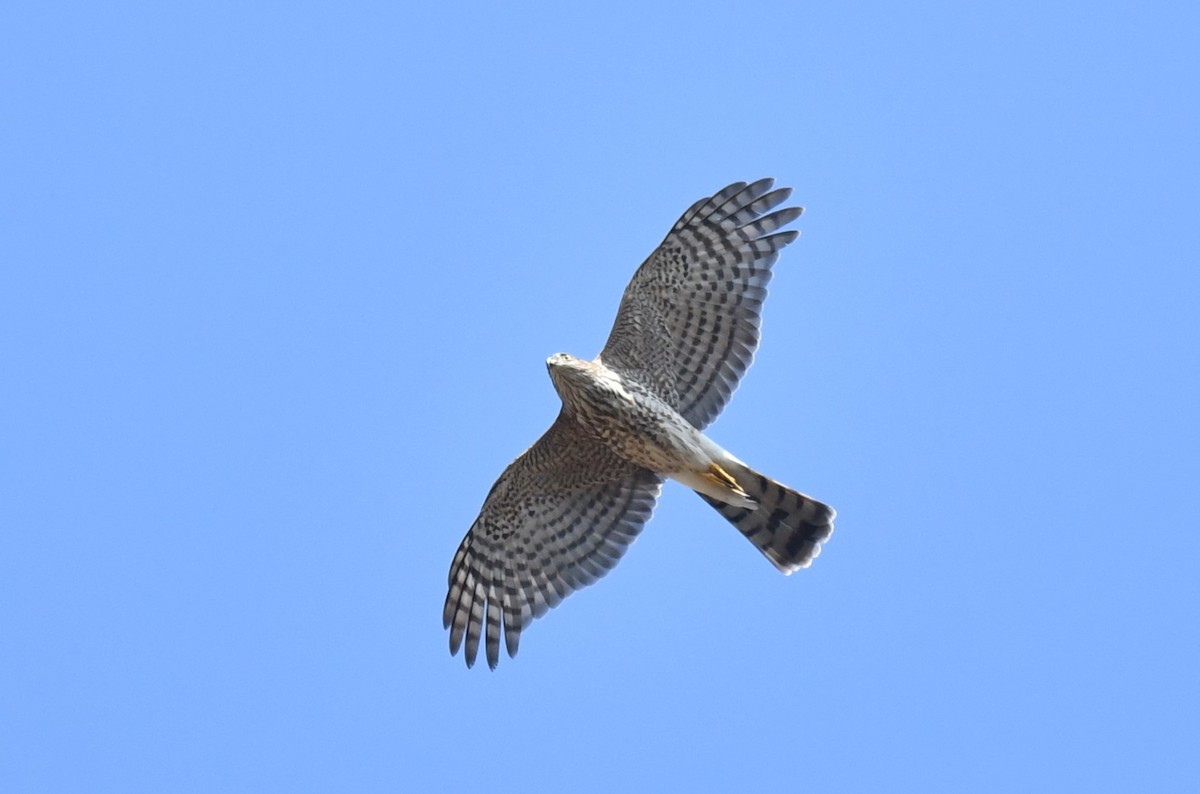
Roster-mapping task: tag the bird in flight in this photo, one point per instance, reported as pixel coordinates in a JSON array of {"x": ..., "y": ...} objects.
[{"x": 564, "y": 512}]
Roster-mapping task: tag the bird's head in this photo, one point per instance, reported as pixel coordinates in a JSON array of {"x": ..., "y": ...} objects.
[
  {"x": 561, "y": 360},
  {"x": 565, "y": 369}
]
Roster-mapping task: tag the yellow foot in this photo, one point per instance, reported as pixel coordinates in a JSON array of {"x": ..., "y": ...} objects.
[{"x": 721, "y": 478}]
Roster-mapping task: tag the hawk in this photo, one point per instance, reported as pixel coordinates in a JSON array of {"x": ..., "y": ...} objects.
[{"x": 563, "y": 513}]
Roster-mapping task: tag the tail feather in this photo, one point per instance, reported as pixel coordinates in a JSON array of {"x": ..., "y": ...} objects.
[{"x": 786, "y": 526}]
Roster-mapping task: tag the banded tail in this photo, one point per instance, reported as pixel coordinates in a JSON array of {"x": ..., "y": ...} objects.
[{"x": 786, "y": 526}]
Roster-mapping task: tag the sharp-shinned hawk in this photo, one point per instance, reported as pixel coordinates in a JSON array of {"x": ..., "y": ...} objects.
[{"x": 562, "y": 514}]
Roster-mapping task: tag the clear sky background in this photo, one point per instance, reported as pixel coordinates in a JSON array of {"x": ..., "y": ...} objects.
[{"x": 276, "y": 288}]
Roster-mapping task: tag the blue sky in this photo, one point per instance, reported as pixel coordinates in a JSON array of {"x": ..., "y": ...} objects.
[{"x": 277, "y": 287}]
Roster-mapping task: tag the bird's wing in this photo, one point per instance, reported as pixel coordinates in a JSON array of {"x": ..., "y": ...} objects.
[
  {"x": 560, "y": 517},
  {"x": 688, "y": 324}
]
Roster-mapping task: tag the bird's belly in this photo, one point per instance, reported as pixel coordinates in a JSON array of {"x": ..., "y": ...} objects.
[{"x": 654, "y": 440}]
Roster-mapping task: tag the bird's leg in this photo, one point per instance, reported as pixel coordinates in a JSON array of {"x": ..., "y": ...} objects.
[{"x": 722, "y": 479}]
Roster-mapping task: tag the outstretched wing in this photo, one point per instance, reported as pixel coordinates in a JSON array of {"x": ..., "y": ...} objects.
[
  {"x": 560, "y": 517},
  {"x": 689, "y": 319}
]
